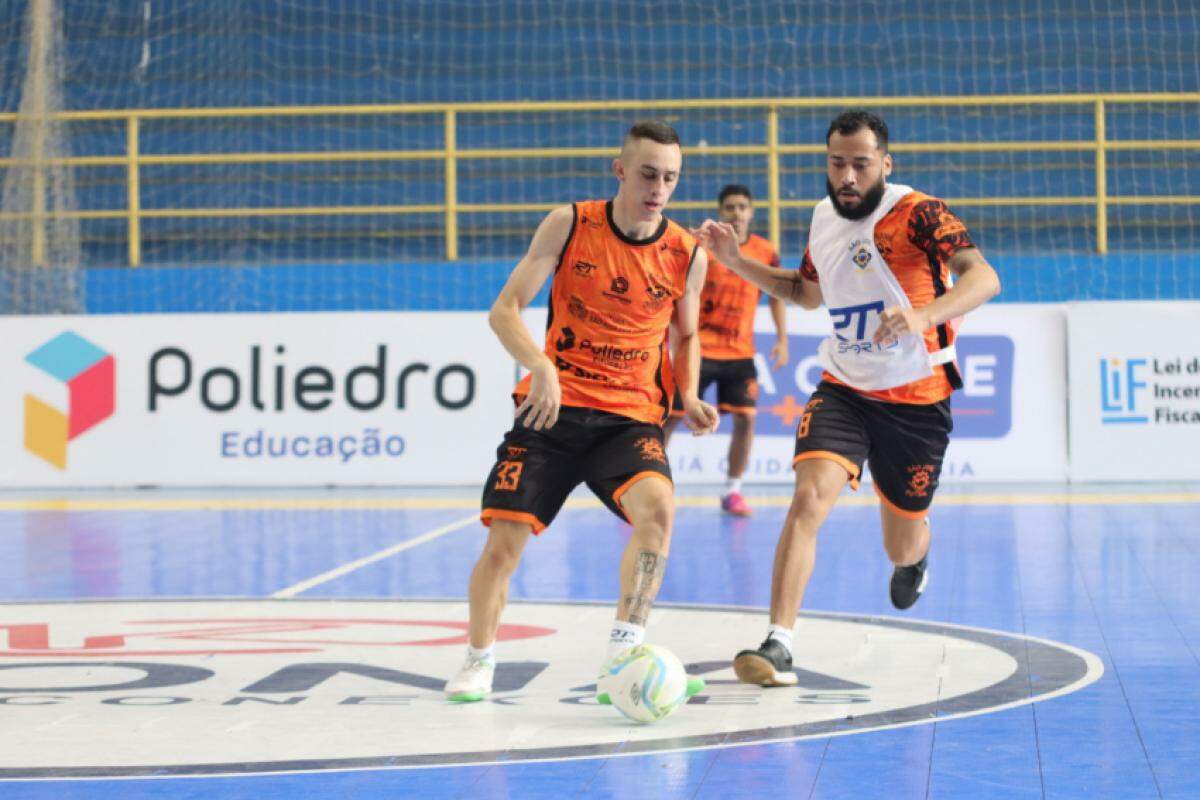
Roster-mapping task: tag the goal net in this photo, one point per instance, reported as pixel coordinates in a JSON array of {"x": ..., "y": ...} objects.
[{"x": 417, "y": 206}]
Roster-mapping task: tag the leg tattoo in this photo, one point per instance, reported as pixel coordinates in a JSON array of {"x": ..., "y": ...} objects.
[{"x": 647, "y": 577}]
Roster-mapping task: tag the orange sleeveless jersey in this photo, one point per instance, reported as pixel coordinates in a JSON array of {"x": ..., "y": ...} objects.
[
  {"x": 728, "y": 303},
  {"x": 611, "y": 301},
  {"x": 917, "y": 239}
]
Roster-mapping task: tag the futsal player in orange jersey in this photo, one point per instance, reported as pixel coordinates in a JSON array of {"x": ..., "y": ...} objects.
[
  {"x": 727, "y": 309},
  {"x": 591, "y": 409},
  {"x": 880, "y": 257}
]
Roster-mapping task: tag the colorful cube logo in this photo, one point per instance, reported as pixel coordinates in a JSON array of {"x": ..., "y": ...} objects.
[{"x": 88, "y": 375}]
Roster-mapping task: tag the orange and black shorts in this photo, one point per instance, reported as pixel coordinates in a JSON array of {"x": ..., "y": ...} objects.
[
  {"x": 536, "y": 470},
  {"x": 737, "y": 385},
  {"x": 903, "y": 444}
]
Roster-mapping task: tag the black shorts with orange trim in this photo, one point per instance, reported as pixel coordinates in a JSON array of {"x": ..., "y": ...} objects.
[
  {"x": 535, "y": 471},
  {"x": 737, "y": 385},
  {"x": 903, "y": 444}
]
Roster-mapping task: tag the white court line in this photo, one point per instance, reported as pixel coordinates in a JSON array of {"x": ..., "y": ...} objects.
[{"x": 345, "y": 569}]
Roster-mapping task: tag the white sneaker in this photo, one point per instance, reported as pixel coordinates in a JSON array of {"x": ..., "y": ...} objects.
[{"x": 473, "y": 682}]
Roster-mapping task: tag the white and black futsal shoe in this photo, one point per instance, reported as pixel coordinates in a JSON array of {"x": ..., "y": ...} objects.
[{"x": 908, "y": 583}]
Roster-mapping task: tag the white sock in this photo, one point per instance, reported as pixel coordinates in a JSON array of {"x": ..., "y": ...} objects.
[
  {"x": 782, "y": 635},
  {"x": 623, "y": 636},
  {"x": 482, "y": 653},
  {"x": 733, "y": 485}
]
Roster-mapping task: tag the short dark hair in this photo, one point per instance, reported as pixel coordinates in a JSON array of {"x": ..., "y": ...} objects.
[
  {"x": 734, "y": 188},
  {"x": 654, "y": 130},
  {"x": 856, "y": 119}
]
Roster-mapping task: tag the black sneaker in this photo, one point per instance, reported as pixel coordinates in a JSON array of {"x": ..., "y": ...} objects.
[
  {"x": 769, "y": 665},
  {"x": 908, "y": 583}
]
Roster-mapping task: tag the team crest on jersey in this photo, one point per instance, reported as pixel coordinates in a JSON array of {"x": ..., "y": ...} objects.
[
  {"x": 658, "y": 296},
  {"x": 860, "y": 253},
  {"x": 651, "y": 449}
]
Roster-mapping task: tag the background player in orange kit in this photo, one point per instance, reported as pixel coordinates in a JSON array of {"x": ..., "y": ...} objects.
[
  {"x": 592, "y": 407},
  {"x": 727, "y": 309},
  {"x": 880, "y": 257}
]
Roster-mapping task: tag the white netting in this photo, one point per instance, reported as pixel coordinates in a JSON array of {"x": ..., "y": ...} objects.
[
  {"x": 205, "y": 202},
  {"x": 39, "y": 242}
]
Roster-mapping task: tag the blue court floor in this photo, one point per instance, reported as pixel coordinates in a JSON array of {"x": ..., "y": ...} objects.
[{"x": 1113, "y": 571}]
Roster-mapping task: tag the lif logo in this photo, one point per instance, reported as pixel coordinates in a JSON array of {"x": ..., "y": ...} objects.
[
  {"x": 1119, "y": 389},
  {"x": 84, "y": 376}
]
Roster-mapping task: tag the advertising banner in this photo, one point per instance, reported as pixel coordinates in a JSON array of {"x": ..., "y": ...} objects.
[
  {"x": 1135, "y": 391},
  {"x": 423, "y": 398},
  {"x": 1009, "y": 417},
  {"x": 251, "y": 399}
]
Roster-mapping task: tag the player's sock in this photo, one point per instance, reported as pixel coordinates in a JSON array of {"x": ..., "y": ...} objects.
[
  {"x": 733, "y": 485},
  {"x": 482, "y": 653},
  {"x": 782, "y": 635},
  {"x": 623, "y": 636}
]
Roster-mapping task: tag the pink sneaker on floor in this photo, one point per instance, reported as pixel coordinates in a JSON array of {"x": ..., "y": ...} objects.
[{"x": 734, "y": 503}]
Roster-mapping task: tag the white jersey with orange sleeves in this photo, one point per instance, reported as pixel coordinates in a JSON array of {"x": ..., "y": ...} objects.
[{"x": 895, "y": 257}]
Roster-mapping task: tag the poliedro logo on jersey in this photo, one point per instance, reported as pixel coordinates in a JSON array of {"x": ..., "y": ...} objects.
[
  {"x": 227, "y": 687},
  {"x": 613, "y": 356},
  {"x": 982, "y": 408},
  {"x": 85, "y": 378}
]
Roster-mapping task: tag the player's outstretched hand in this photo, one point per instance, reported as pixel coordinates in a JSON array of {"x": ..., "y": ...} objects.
[
  {"x": 719, "y": 238},
  {"x": 896, "y": 321},
  {"x": 540, "y": 406},
  {"x": 700, "y": 417}
]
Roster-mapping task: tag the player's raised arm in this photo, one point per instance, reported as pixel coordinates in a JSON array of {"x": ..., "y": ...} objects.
[
  {"x": 540, "y": 407},
  {"x": 699, "y": 416},
  {"x": 784, "y": 284}
]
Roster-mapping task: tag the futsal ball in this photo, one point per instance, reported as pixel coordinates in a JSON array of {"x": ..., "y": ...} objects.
[{"x": 645, "y": 683}]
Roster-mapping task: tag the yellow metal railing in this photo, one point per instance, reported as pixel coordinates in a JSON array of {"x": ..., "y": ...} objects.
[{"x": 450, "y": 154}]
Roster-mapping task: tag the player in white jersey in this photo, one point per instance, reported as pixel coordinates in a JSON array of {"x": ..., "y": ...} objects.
[{"x": 880, "y": 257}]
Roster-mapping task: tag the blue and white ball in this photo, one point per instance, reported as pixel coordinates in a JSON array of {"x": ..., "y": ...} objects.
[{"x": 645, "y": 683}]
